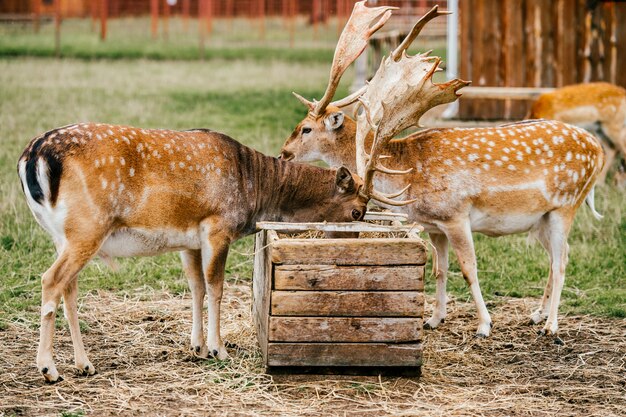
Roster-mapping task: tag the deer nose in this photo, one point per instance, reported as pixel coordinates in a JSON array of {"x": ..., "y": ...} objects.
[{"x": 286, "y": 155}]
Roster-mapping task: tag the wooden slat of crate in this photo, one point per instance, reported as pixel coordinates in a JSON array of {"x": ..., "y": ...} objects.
[
  {"x": 345, "y": 329},
  {"x": 347, "y": 303},
  {"x": 261, "y": 287},
  {"x": 344, "y": 354},
  {"x": 390, "y": 251},
  {"x": 332, "y": 277}
]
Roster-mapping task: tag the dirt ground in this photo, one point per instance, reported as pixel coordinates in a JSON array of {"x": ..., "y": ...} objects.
[{"x": 139, "y": 345}]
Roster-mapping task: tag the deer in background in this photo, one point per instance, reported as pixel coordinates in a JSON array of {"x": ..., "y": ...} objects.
[
  {"x": 599, "y": 107},
  {"x": 116, "y": 191},
  {"x": 523, "y": 177}
]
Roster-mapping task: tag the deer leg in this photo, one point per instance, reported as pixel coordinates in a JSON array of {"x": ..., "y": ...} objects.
[
  {"x": 440, "y": 242},
  {"x": 609, "y": 157},
  {"x": 214, "y": 253},
  {"x": 192, "y": 264},
  {"x": 82, "y": 362},
  {"x": 54, "y": 283},
  {"x": 460, "y": 237},
  {"x": 558, "y": 224},
  {"x": 541, "y": 314},
  {"x": 614, "y": 144}
]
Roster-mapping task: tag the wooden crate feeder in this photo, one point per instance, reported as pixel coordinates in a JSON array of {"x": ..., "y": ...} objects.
[{"x": 352, "y": 305}]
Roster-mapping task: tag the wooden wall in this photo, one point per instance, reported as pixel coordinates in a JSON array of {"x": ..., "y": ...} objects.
[{"x": 538, "y": 43}]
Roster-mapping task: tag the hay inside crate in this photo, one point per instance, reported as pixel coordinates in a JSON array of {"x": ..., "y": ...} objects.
[{"x": 350, "y": 305}]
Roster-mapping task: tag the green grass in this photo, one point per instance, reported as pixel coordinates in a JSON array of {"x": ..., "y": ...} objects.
[{"x": 251, "y": 101}]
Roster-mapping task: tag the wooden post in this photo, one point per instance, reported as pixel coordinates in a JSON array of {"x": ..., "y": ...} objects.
[
  {"x": 154, "y": 16},
  {"x": 94, "y": 13},
  {"x": 292, "y": 22},
  {"x": 262, "y": 19},
  {"x": 186, "y": 7},
  {"x": 230, "y": 13},
  {"x": 201, "y": 34},
  {"x": 36, "y": 14},
  {"x": 57, "y": 28},
  {"x": 315, "y": 10},
  {"x": 209, "y": 16},
  {"x": 166, "y": 19},
  {"x": 104, "y": 11}
]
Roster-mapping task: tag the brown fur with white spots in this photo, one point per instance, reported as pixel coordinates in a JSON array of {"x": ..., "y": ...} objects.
[
  {"x": 525, "y": 177},
  {"x": 109, "y": 191},
  {"x": 599, "y": 107}
]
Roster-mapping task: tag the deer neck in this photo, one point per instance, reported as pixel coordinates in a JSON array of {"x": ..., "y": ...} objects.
[{"x": 288, "y": 191}]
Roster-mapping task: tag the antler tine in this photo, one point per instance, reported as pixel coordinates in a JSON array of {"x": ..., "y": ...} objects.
[
  {"x": 352, "y": 42},
  {"x": 352, "y": 98},
  {"x": 385, "y": 170},
  {"x": 415, "y": 31},
  {"x": 304, "y": 101},
  {"x": 401, "y": 91},
  {"x": 378, "y": 197}
]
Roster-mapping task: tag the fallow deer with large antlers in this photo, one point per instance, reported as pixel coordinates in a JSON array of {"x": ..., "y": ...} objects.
[
  {"x": 599, "y": 107},
  {"x": 523, "y": 177},
  {"x": 116, "y": 191}
]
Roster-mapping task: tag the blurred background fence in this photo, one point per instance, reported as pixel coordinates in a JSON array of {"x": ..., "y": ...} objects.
[{"x": 182, "y": 16}]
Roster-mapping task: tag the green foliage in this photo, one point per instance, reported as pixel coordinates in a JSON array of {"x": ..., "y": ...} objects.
[{"x": 251, "y": 101}]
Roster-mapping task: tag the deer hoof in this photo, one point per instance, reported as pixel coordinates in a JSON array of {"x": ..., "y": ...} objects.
[
  {"x": 50, "y": 374},
  {"x": 86, "y": 370},
  {"x": 433, "y": 323},
  {"x": 200, "y": 351}
]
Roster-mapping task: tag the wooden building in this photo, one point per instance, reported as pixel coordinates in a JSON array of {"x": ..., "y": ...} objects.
[{"x": 538, "y": 43}]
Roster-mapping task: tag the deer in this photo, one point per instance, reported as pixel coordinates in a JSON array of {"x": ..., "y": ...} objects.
[
  {"x": 599, "y": 107},
  {"x": 530, "y": 176},
  {"x": 109, "y": 191}
]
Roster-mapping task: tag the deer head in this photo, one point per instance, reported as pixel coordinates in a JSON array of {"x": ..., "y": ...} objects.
[
  {"x": 328, "y": 134},
  {"x": 322, "y": 116}
]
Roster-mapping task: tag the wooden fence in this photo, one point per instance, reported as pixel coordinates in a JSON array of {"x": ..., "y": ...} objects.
[{"x": 538, "y": 43}]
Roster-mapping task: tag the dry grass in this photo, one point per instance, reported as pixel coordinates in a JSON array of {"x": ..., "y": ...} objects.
[{"x": 139, "y": 344}]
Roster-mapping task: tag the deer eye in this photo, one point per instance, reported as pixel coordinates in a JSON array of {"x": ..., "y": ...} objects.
[
  {"x": 356, "y": 214},
  {"x": 306, "y": 130}
]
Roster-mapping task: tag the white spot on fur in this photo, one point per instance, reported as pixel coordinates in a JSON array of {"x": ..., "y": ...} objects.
[
  {"x": 472, "y": 157},
  {"x": 131, "y": 172}
]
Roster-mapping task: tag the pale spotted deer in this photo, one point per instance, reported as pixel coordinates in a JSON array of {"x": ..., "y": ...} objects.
[
  {"x": 599, "y": 107},
  {"x": 115, "y": 191},
  {"x": 523, "y": 177}
]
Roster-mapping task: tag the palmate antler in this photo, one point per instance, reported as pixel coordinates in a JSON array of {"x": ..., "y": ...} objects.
[
  {"x": 352, "y": 42},
  {"x": 401, "y": 91}
]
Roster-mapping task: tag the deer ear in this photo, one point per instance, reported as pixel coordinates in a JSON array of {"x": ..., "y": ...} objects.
[
  {"x": 344, "y": 180},
  {"x": 334, "y": 120}
]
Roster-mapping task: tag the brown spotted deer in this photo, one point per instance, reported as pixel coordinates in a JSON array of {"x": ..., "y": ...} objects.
[
  {"x": 117, "y": 191},
  {"x": 523, "y": 177},
  {"x": 599, "y": 107}
]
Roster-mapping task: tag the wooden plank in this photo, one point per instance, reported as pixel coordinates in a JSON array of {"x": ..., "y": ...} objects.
[
  {"x": 478, "y": 52},
  {"x": 348, "y": 303},
  {"x": 465, "y": 46},
  {"x": 338, "y": 227},
  {"x": 344, "y": 354},
  {"x": 567, "y": 60},
  {"x": 502, "y": 93},
  {"x": 547, "y": 42},
  {"x": 531, "y": 43},
  {"x": 348, "y": 278},
  {"x": 261, "y": 287},
  {"x": 385, "y": 216},
  {"x": 492, "y": 56},
  {"x": 513, "y": 54},
  {"x": 345, "y": 329},
  {"x": 371, "y": 251},
  {"x": 620, "y": 40}
]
